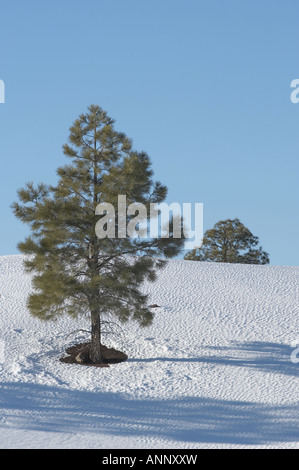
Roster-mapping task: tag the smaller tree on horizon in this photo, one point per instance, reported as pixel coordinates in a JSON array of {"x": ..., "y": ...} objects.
[{"x": 229, "y": 241}]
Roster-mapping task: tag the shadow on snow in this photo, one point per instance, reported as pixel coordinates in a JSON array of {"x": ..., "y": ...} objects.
[
  {"x": 266, "y": 357},
  {"x": 188, "y": 419}
]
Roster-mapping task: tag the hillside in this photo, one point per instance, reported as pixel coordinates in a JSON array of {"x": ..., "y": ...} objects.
[{"x": 214, "y": 369}]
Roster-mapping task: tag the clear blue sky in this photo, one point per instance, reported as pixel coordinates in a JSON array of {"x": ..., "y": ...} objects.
[{"x": 202, "y": 86}]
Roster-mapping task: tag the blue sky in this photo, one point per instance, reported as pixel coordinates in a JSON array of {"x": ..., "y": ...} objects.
[{"x": 202, "y": 86}]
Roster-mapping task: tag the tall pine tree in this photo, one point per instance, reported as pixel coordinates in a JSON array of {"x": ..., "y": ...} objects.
[{"x": 75, "y": 272}]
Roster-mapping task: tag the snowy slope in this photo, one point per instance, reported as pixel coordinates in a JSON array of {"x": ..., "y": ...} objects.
[{"x": 214, "y": 369}]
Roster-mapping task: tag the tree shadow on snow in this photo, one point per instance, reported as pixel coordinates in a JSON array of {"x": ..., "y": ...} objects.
[
  {"x": 187, "y": 419},
  {"x": 264, "y": 356}
]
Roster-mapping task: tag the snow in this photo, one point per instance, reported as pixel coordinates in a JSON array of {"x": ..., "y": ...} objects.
[{"x": 213, "y": 371}]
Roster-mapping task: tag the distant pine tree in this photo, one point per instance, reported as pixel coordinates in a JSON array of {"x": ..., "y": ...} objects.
[
  {"x": 74, "y": 271},
  {"x": 229, "y": 241}
]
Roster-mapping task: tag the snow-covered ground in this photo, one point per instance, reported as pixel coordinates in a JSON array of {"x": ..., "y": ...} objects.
[{"x": 213, "y": 371}]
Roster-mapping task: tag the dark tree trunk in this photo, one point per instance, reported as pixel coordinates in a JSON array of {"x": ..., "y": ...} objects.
[{"x": 95, "y": 354}]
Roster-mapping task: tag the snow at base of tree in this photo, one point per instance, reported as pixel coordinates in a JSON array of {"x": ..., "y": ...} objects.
[{"x": 213, "y": 371}]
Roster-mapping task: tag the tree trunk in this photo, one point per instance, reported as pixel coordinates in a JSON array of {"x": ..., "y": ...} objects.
[{"x": 95, "y": 354}]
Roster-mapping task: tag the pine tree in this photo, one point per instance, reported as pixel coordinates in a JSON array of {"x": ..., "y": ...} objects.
[
  {"x": 74, "y": 271},
  {"x": 229, "y": 241}
]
